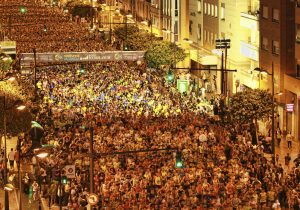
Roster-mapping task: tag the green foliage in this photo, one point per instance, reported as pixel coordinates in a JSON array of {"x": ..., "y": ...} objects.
[
  {"x": 17, "y": 121},
  {"x": 120, "y": 31},
  {"x": 136, "y": 39},
  {"x": 164, "y": 53},
  {"x": 5, "y": 65},
  {"x": 250, "y": 105}
]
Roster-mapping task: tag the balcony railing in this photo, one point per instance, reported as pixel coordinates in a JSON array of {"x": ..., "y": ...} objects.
[{"x": 250, "y": 15}]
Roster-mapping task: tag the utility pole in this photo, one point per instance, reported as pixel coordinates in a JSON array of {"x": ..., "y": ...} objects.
[
  {"x": 34, "y": 72},
  {"x": 6, "y": 207},
  {"x": 91, "y": 159},
  {"x": 126, "y": 28},
  {"x": 273, "y": 111}
]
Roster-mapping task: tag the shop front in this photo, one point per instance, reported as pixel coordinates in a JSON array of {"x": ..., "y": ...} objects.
[{"x": 291, "y": 96}]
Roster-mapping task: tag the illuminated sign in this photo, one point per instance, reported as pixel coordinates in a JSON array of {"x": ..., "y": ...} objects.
[
  {"x": 182, "y": 85},
  {"x": 289, "y": 107}
]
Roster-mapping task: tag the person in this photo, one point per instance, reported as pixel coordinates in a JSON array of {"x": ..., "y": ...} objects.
[
  {"x": 276, "y": 205},
  {"x": 297, "y": 160},
  {"x": 11, "y": 157},
  {"x": 289, "y": 139},
  {"x": 278, "y": 136},
  {"x": 287, "y": 159},
  {"x": 26, "y": 181}
]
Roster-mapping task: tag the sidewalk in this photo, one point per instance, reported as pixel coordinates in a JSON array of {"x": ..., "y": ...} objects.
[
  {"x": 13, "y": 199},
  {"x": 283, "y": 149}
]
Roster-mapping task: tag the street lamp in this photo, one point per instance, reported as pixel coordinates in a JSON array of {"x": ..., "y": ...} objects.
[
  {"x": 273, "y": 103},
  {"x": 19, "y": 106}
]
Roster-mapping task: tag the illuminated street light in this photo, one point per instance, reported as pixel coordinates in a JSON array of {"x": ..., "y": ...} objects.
[{"x": 9, "y": 187}]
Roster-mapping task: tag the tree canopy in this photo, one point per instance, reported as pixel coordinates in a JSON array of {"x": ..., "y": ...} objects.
[
  {"x": 164, "y": 53},
  {"x": 249, "y": 105},
  {"x": 133, "y": 37},
  {"x": 17, "y": 121}
]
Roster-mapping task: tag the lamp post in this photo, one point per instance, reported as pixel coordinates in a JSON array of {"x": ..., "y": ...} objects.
[
  {"x": 5, "y": 109},
  {"x": 273, "y": 104},
  {"x": 223, "y": 44}
]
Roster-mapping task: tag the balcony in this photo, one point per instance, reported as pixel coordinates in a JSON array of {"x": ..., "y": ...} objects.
[
  {"x": 249, "y": 50},
  {"x": 249, "y": 20}
]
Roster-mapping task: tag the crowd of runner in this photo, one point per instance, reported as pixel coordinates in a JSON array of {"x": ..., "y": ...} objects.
[
  {"x": 128, "y": 111},
  {"x": 45, "y": 28},
  {"x": 128, "y": 107}
]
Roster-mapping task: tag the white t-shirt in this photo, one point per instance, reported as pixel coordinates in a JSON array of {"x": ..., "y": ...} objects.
[{"x": 11, "y": 155}]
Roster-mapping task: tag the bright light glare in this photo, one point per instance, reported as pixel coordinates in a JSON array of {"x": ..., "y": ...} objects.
[
  {"x": 42, "y": 154},
  {"x": 9, "y": 187},
  {"x": 11, "y": 79},
  {"x": 21, "y": 107}
]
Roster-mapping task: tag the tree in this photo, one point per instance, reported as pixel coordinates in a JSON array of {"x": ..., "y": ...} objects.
[
  {"x": 134, "y": 38},
  {"x": 163, "y": 53},
  {"x": 17, "y": 121},
  {"x": 5, "y": 63},
  {"x": 250, "y": 105}
]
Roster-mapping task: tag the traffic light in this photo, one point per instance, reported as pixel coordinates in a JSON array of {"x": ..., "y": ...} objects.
[
  {"x": 45, "y": 28},
  {"x": 22, "y": 9},
  {"x": 30, "y": 191},
  {"x": 170, "y": 76},
  {"x": 82, "y": 69},
  {"x": 179, "y": 162},
  {"x": 64, "y": 180}
]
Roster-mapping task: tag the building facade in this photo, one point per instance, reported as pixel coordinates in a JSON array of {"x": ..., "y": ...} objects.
[
  {"x": 277, "y": 56},
  {"x": 291, "y": 78}
]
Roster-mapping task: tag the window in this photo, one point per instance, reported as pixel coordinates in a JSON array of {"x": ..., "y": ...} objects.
[
  {"x": 205, "y": 8},
  {"x": 216, "y": 11},
  {"x": 275, "y": 15},
  {"x": 275, "y": 47},
  {"x": 199, "y": 6},
  {"x": 212, "y": 10},
  {"x": 264, "y": 43},
  {"x": 205, "y": 37},
  {"x": 222, "y": 15},
  {"x": 199, "y": 32},
  {"x": 265, "y": 12},
  {"x": 208, "y": 9}
]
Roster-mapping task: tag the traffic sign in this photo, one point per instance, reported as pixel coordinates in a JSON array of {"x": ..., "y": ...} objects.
[
  {"x": 92, "y": 199},
  {"x": 70, "y": 171}
]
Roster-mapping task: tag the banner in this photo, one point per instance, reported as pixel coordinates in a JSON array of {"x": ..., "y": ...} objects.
[
  {"x": 27, "y": 58},
  {"x": 182, "y": 85}
]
